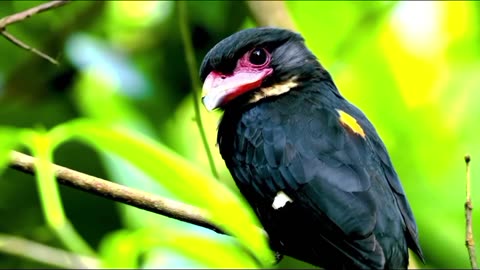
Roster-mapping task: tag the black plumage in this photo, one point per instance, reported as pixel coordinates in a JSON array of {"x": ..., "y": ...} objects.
[{"x": 346, "y": 206}]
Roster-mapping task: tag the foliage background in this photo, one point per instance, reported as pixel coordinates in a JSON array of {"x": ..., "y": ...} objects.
[{"x": 412, "y": 67}]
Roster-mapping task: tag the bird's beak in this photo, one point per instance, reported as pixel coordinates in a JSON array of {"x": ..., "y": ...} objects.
[{"x": 219, "y": 89}]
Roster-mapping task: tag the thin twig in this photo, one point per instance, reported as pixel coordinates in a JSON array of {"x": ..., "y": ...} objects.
[
  {"x": 192, "y": 67},
  {"x": 271, "y": 13},
  {"x": 20, "y": 16},
  {"x": 17, "y": 246},
  {"x": 468, "y": 216},
  {"x": 119, "y": 193},
  {"x": 22, "y": 45}
]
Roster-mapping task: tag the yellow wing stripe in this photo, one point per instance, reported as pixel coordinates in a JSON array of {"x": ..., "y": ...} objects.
[{"x": 351, "y": 123}]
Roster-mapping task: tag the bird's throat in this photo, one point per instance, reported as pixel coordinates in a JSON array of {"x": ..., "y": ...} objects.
[{"x": 274, "y": 90}]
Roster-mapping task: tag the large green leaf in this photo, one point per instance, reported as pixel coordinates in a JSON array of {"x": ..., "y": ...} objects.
[{"x": 188, "y": 182}]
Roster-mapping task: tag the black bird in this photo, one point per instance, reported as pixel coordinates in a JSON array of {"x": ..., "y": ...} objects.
[{"x": 310, "y": 163}]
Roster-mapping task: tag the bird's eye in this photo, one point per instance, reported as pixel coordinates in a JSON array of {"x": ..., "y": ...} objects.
[{"x": 258, "y": 57}]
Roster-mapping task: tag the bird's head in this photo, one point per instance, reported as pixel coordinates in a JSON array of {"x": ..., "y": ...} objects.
[{"x": 254, "y": 64}]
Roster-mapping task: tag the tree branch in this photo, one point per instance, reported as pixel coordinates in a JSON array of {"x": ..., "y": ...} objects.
[
  {"x": 20, "y": 16},
  {"x": 119, "y": 193},
  {"x": 271, "y": 13},
  {"x": 28, "y": 249},
  {"x": 469, "y": 242}
]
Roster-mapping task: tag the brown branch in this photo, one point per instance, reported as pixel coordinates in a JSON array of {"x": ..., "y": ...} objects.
[
  {"x": 271, "y": 13},
  {"x": 20, "y": 16},
  {"x": 469, "y": 242},
  {"x": 17, "y": 246},
  {"x": 119, "y": 193}
]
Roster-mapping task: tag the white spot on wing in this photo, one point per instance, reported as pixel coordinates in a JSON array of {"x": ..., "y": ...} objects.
[{"x": 280, "y": 200}]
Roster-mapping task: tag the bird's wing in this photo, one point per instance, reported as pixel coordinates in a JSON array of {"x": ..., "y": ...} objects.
[
  {"x": 324, "y": 166},
  {"x": 394, "y": 182}
]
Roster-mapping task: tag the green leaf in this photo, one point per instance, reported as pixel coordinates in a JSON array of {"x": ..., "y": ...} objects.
[
  {"x": 195, "y": 245},
  {"x": 9, "y": 139},
  {"x": 40, "y": 145},
  {"x": 125, "y": 248},
  {"x": 119, "y": 250},
  {"x": 94, "y": 83},
  {"x": 48, "y": 190},
  {"x": 47, "y": 185}
]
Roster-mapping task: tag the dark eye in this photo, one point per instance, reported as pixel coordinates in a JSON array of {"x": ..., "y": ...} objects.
[{"x": 258, "y": 57}]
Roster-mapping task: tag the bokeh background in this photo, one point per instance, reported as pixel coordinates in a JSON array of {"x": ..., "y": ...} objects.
[{"x": 413, "y": 67}]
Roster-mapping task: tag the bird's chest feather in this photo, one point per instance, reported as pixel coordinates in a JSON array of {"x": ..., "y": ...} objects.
[
  {"x": 281, "y": 143},
  {"x": 262, "y": 137}
]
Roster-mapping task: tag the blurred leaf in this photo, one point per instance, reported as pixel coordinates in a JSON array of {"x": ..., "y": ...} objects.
[
  {"x": 119, "y": 250},
  {"x": 181, "y": 133},
  {"x": 41, "y": 147},
  {"x": 126, "y": 248},
  {"x": 9, "y": 138},
  {"x": 48, "y": 190},
  {"x": 105, "y": 90},
  {"x": 196, "y": 246},
  {"x": 39, "y": 143}
]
